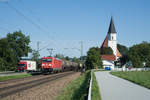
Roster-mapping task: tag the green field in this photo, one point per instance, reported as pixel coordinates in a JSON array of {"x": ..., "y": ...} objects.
[
  {"x": 95, "y": 94},
  {"x": 3, "y": 78},
  {"x": 138, "y": 77},
  {"x": 77, "y": 89}
]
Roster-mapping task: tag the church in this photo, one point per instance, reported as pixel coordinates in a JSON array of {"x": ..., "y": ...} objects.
[{"x": 110, "y": 41}]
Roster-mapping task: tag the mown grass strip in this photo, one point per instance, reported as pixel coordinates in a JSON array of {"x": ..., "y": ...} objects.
[
  {"x": 95, "y": 93},
  {"x": 4, "y": 78},
  {"x": 138, "y": 77},
  {"x": 77, "y": 89}
]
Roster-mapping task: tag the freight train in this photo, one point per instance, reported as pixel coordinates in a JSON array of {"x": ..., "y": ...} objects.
[
  {"x": 49, "y": 65},
  {"x": 52, "y": 64}
]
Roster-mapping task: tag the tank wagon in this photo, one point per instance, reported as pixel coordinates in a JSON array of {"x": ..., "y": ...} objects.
[{"x": 52, "y": 64}]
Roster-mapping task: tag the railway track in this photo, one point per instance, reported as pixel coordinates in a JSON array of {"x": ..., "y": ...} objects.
[{"x": 13, "y": 89}]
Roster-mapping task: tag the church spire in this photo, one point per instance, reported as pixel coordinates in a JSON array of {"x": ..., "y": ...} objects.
[{"x": 112, "y": 27}]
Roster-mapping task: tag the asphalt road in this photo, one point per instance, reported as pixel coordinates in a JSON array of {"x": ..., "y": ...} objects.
[{"x": 114, "y": 88}]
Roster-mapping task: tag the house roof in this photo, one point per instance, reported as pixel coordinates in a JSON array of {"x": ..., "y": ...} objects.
[
  {"x": 111, "y": 27},
  {"x": 108, "y": 57}
]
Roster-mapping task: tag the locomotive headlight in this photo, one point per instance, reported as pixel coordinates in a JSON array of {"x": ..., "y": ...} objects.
[{"x": 50, "y": 64}]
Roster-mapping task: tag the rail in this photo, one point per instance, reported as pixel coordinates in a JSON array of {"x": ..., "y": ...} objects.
[{"x": 6, "y": 91}]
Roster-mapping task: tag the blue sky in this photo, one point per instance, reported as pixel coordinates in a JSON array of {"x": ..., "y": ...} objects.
[{"x": 64, "y": 23}]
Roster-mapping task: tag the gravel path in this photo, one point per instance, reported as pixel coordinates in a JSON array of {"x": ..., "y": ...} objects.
[
  {"x": 47, "y": 91},
  {"x": 114, "y": 88}
]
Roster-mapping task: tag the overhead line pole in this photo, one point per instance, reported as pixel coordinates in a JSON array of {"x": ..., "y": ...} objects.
[
  {"x": 38, "y": 44},
  {"x": 81, "y": 50},
  {"x": 50, "y": 50}
]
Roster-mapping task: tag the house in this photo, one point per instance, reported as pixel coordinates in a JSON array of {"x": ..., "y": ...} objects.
[{"x": 110, "y": 41}]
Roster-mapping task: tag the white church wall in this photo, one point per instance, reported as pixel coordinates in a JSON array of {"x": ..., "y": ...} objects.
[
  {"x": 112, "y": 42},
  {"x": 107, "y": 63}
]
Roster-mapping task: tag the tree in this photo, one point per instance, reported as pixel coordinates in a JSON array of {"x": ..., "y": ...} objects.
[
  {"x": 6, "y": 55},
  {"x": 83, "y": 58},
  {"x": 74, "y": 59},
  {"x": 148, "y": 62},
  {"x": 139, "y": 54},
  {"x": 19, "y": 44},
  {"x": 123, "y": 59},
  {"x": 60, "y": 56},
  {"x": 93, "y": 58},
  {"x": 122, "y": 49},
  {"x": 107, "y": 51},
  {"x": 67, "y": 58},
  {"x": 14, "y": 46},
  {"x": 2, "y": 65}
]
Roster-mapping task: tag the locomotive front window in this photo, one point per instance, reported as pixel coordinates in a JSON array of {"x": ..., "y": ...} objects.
[
  {"x": 47, "y": 60},
  {"x": 21, "y": 65}
]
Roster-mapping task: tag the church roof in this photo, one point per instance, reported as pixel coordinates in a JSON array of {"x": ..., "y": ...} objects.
[
  {"x": 108, "y": 57},
  {"x": 105, "y": 43},
  {"x": 111, "y": 27},
  {"x": 118, "y": 53}
]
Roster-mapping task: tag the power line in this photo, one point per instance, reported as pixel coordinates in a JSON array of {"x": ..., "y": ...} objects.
[
  {"x": 25, "y": 17},
  {"x": 30, "y": 21},
  {"x": 32, "y": 13},
  {"x": 1, "y": 28}
]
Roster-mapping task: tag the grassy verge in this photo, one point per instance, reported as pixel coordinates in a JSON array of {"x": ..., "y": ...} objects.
[
  {"x": 138, "y": 77},
  {"x": 95, "y": 89},
  {"x": 3, "y": 78},
  {"x": 77, "y": 89}
]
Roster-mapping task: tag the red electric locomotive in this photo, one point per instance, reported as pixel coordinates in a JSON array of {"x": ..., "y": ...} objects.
[{"x": 51, "y": 64}]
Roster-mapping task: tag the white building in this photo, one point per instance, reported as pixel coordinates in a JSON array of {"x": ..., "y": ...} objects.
[{"x": 110, "y": 41}]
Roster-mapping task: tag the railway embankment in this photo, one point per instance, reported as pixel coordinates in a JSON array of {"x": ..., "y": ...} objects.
[
  {"x": 77, "y": 89},
  {"x": 41, "y": 87}
]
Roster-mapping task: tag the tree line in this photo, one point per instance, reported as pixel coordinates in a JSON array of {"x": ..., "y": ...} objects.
[
  {"x": 12, "y": 47},
  {"x": 16, "y": 45},
  {"x": 138, "y": 55}
]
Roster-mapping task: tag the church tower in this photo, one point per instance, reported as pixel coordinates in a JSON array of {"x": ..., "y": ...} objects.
[{"x": 112, "y": 39}]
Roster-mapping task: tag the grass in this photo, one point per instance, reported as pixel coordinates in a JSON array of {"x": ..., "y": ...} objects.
[
  {"x": 95, "y": 93},
  {"x": 77, "y": 89},
  {"x": 138, "y": 77},
  {"x": 3, "y": 78}
]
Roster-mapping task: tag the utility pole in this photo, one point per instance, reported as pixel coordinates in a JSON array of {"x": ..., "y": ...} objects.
[
  {"x": 50, "y": 50},
  {"x": 81, "y": 50},
  {"x": 38, "y": 44}
]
